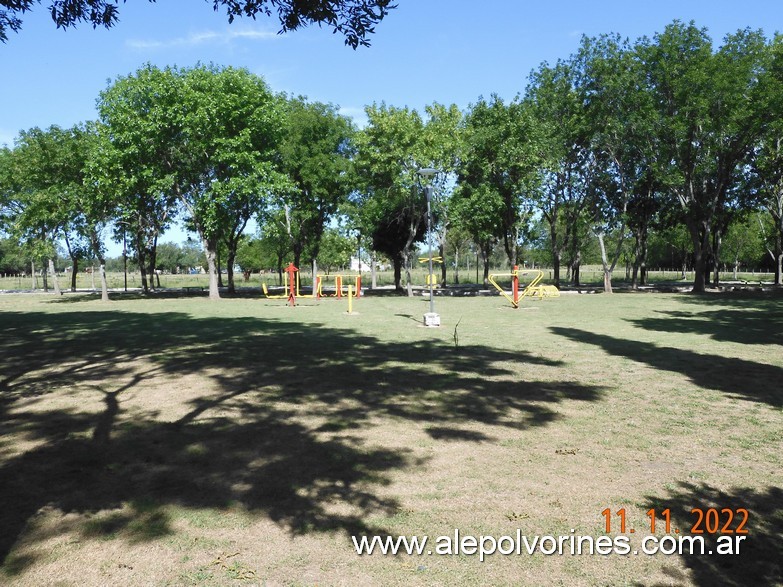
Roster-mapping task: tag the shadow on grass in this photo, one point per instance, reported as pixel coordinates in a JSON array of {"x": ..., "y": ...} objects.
[
  {"x": 244, "y": 443},
  {"x": 758, "y": 562},
  {"x": 746, "y": 319},
  {"x": 740, "y": 378}
]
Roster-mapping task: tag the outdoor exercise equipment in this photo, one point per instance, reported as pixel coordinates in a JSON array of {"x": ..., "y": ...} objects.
[
  {"x": 293, "y": 277},
  {"x": 432, "y": 276},
  {"x": 290, "y": 292},
  {"x": 533, "y": 289},
  {"x": 339, "y": 282}
]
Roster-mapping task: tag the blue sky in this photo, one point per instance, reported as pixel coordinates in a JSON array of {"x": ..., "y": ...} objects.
[{"x": 448, "y": 51}]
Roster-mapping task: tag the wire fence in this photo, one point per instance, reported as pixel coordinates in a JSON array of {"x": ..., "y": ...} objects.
[{"x": 118, "y": 280}]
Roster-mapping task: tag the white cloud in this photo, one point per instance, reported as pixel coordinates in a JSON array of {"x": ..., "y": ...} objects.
[{"x": 202, "y": 38}]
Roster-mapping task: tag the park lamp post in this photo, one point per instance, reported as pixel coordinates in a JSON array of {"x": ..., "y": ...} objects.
[{"x": 428, "y": 173}]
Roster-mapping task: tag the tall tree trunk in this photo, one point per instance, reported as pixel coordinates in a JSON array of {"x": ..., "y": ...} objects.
[
  {"x": 104, "y": 285},
  {"x": 485, "y": 253},
  {"x": 34, "y": 275},
  {"x": 699, "y": 262},
  {"x": 556, "y": 267},
  {"x": 397, "y": 262},
  {"x": 576, "y": 265},
  {"x": 717, "y": 241},
  {"x": 55, "y": 283},
  {"x": 210, "y": 246},
  {"x": 456, "y": 265},
  {"x": 373, "y": 271},
  {"x": 230, "y": 269},
  {"x": 779, "y": 256},
  {"x": 74, "y": 272},
  {"x": 607, "y": 270},
  {"x": 443, "y": 268},
  {"x": 142, "y": 259},
  {"x": 407, "y": 254}
]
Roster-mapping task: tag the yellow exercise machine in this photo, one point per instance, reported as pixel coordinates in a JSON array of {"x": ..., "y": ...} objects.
[{"x": 533, "y": 289}]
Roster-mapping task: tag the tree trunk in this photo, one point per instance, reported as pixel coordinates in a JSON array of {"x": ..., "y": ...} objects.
[
  {"x": 219, "y": 270},
  {"x": 700, "y": 239},
  {"x": 443, "y": 268},
  {"x": 74, "y": 272},
  {"x": 212, "y": 267},
  {"x": 409, "y": 282},
  {"x": 104, "y": 286},
  {"x": 142, "y": 265},
  {"x": 607, "y": 269},
  {"x": 397, "y": 262},
  {"x": 576, "y": 267},
  {"x": 717, "y": 241},
  {"x": 456, "y": 266},
  {"x": 779, "y": 258},
  {"x": 556, "y": 267},
  {"x": 485, "y": 252},
  {"x": 230, "y": 269},
  {"x": 55, "y": 283},
  {"x": 373, "y": 272},
  {"x": 34, "y": 275},
  {"x": 315, "y": 275}
]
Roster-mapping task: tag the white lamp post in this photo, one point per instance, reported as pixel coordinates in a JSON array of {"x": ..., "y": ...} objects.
[{"x": 430, "y": 318}]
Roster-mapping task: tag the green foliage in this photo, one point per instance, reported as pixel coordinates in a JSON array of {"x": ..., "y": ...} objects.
[
  {"x": 316, "y": 155},
  {"x": 13, "y": 258},
  {"x": 393, "y": 147},
  {"x": 497, "y": 172},
  {"x": 205, "y": 135},
  {"x": 336, "y": 249},
  {"x": 174, "y": 258},
  {"x": 355, "y": 20}
]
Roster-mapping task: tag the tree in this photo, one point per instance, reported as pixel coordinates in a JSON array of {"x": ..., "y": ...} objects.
[
  {"x": 710, "y": 104},
  {"x": 354, "y": 19},
  {"x": 275, "y": 240},
  {"x": 623, "y": 125},
  {"x": 767, "y": 161},
  {"x": 137, "y": 159},
  {"x": 499, "y": 161},
  {"x": 476, "y": 211},
  {"x": 206, "y": 137},
  {"x": 390, "y": 151},
  {"x": 556, "y": 102},
  {"x": 742, "y": 243},
  {"x": 336, "y": 249},
  {"x": 316, "y": 154}
]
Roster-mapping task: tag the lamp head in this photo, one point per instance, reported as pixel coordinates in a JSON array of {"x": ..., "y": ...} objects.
[{"x": 428, "y": 171}]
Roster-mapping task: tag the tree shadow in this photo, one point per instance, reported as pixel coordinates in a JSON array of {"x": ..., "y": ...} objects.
[
  {"x": 758, "y": 562},
  {"x": 743, "y": 379},
  {"x": 277, "y": 433},
  {"x": 746, "y": 319}
]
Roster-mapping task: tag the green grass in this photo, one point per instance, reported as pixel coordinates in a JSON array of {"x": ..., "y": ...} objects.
[{"x": 171, "y": 440}]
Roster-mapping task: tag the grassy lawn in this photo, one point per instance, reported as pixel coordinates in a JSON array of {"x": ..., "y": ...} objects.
[{"x": 174, "y": 441}]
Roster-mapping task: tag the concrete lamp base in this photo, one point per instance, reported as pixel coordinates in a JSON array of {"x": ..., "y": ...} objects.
[{"x": 431, "y": 319}]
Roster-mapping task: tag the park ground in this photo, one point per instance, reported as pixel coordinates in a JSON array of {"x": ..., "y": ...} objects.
[{"x": 169, "y": 440}]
